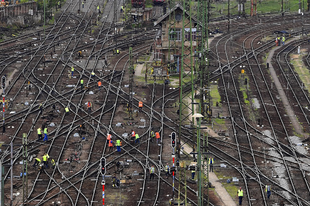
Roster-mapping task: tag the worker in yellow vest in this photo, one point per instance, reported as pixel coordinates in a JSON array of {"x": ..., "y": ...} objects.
[
  {"x": 240, "y": 195},
  {"x": 82, "y": 83},
  {"x": 72, "y": 71},
  {"x": 39, "y": 130},
  {"x": 45, "y": 134},
  {"x": 37, "y": 161}
]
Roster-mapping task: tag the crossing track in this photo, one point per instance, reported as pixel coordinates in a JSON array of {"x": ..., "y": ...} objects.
[
  {"x": 76, "y": 179},
  {"x": 246, "y": 138}
]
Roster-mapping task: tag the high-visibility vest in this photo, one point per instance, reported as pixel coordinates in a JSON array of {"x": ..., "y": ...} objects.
[
  {"x": 268, "y": 188},
  {"x": 53, "y": 162},
  {"x": 118, "y": 142},
  {"x": 110, "y": 143},
  {"x": 72, "y": 69},
  {"x": 38, "y": 160},
  {"x": 283, "y": 38},
  {"x": 152, "y": 134},
  {"x": 99, "y": 83},
  {"x": 88, "y": 104},
  {"x": 58, "y": 3},
  {"x": 152, "y": 170},
  {"x": 82, "y": 81},
  {"x": 137, "y": 136},
  {"x": 109, "y": 137},
  {"x": 122, "y": 7},
  {"x": 39, "y": 131},
  {"x": 140, "y": 104},
  {"x": 240, "y": 193},
  {"x": 133, "y": 134},
  {"x": 166, "y": 168},
  {"x": 157, "y": 135},
  {"x": 98, "y": 7},
  {"x": 44, "y": 158},
  {"x": 47, "y": 155},
  {"x": 67, "y": 109},
  {"x": 117, "y": 51},
  {"x": 193, "y": 171},
  {"x": 278, "y": 38},
  {"x": 45, "y": 130},
  {"x": 211, "y": 160}
]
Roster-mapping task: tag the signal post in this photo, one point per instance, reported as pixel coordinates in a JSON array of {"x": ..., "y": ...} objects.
[
  {"x": 173, "y": 143},
  {"x": 103, "y": 164}
]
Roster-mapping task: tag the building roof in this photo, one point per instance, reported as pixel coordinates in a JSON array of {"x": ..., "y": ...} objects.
[{"x": 177, "y": 6}]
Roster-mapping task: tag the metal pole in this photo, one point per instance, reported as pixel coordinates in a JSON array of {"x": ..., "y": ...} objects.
[
  {"x": 1, "y": 185},
  {"x": 199, "y": 164},
  {"x": 3, "y": 102},
  {"x": 44, "y": 18},
  {"x": 173, "y": 157},
  {"x": 11, "y": 173},
  {"x": 103, "y": 193}
]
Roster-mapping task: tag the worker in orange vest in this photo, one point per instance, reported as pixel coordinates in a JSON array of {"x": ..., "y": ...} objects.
[
  {"x": 111, "y": 145},
  {"x": 157, "y": 137},
  {"x": 140, "y": 106},
  {"x": 109, "y": 138},
  {"x": 99, "y": 84},
  {"x": 133, "y": 135},
  {"x": 89, "y": 106}
]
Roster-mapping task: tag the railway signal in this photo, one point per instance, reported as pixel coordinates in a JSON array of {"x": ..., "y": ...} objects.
[
  {"x": 173, "y": 139},
  {"x": 3, "y": 82},
  {"x": 103, "y": 166}
]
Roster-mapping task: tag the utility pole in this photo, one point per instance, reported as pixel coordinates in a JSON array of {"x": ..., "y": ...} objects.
[
  {"x": 131, "y": 70},
  {"x": 3, "y": 102},
  {"x": 228, "y": 15},
  {"x": 1, "y": 185},
  {"x": 25, "y": 168},
  {"x": 11, "y": 173}
]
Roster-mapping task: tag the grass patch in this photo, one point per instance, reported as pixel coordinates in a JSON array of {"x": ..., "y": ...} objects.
[
  {"x": 301, "y": 69},
  {"x": 230, "y": 187},
  {"x": 219, "y": 121},
  {"x": 215, "y": 95}
]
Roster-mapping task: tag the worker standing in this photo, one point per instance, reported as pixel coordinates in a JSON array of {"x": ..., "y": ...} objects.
[
  {"x": 82, "y": 83},
  {"x": 98, "y": 9},
  {"x": 45, "y": 160},
  {"x": 110, "y": 146},
  {"x": 279, "y": 41},
  {"x": 283, "y": 40},
  {"x": 72, "y": 71},
  {"x": 53, "y": 163},
  {"x": 240, "y": 195},
  {"x": 118, "y": 145},
  {"x": 89, "y": 106},
  {"x": 99, "y": 84},
  {"x": 268, "y": 191},
  {"x": 167, "y": 170},
  {"x": 211, "y": 162},
  {"x": 152, "y": 135},
  {"x": 109, "y": 138},
  {"x": 122, "y": 9},
  {"x": 45, "y": 134},
  {"x": 152, "y": 172},
  {"x": 140, "y": 106},
  {"x": 37, "y": 161},
  {"x": 157, "y": 137},
  {"x": 82, "y": 4},
  {"x": 193, "y": 173},
  {"x": 137, "y": 139},
  {"x": 39, "y": 130}
]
